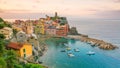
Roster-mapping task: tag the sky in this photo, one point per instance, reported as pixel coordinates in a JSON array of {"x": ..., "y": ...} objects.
[{"x": 33, "y": 9}]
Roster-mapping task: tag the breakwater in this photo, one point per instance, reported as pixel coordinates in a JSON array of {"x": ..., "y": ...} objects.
[{"x": 94, "y": 42}]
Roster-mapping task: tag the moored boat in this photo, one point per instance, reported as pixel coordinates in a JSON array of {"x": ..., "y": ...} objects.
[
  {"x": 76, "y": 50},
  {"x": 68, "y": 48},
  {"x": 90, "y": 53},
  {"x": 63, "y": 50},
  {"x": 71, "y": 55}
]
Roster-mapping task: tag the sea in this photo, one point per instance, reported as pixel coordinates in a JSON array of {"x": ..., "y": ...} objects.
[{"x": 107, "y": 30}]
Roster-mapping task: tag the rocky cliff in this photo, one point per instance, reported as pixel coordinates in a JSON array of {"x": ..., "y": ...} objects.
[{"x": 94, "y": 42}]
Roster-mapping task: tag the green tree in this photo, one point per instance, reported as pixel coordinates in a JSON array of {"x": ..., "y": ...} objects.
[
  {"x": 2, "y": 26},
  {"x": 2, "y": 48},
  {"x": 7, "y": 24},
  {"x": 62, "y": 24},
  {"x": 30, "y": 65},
  {"x": 11, "y": 58},
  {"x": 18, "y": 66},
  {"x": 2, "y": 63},
  {"x": 1, "y": 20},
  {"x": 2, "y": 36}
]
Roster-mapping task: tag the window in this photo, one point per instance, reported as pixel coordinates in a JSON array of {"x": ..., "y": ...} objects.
[
  {"x": 24, "y": 55},
  {"x": 2, "y": 31},
  {"x": 24, "y": 50},
  {"x": 21, "y": 35},
  {"x": 37, "y": 26}
]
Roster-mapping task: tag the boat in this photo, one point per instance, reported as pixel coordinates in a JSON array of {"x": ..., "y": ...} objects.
[
  {"x": 63, "y": 50},
  {"x": 40, "y": 62},
  {"x": 68, "y": 48},
  {"x": 76, "y": 50},
  {"x": 71, "y": 55},
  {"x": 90, "y": 53}
]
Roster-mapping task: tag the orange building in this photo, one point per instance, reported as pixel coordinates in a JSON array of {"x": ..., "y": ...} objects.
[
  {"x": 23, "y": 50},
  {"x": 62, "y": 30}
]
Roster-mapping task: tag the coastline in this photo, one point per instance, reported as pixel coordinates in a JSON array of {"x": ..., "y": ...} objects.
[{"x": 93, "y": 42}]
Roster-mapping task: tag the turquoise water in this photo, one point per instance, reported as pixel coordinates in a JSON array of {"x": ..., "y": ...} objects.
[
  {"x": 108, "y": 30},
  {"x": 54, "y": 58}
]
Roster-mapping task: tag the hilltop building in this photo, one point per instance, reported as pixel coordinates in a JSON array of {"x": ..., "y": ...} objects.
[{"x": 51, "y": 30}]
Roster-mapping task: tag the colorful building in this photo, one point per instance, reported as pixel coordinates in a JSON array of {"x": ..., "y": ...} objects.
[
  {"x": 7, "y": 32},
  {"x": 16, "y": 27},
  {"x": 27, "y": 27},
  {"x": 23, "y": 50},
  {"x": 62, "y": 30},
  {"x": 33, "y": 40},
  {"x": 40, "y": 27},
  {"x": 21, "y": 37},
  {"x": 51, "y": 30}
]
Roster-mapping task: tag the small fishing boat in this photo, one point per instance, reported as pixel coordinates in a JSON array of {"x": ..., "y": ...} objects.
[
  {"x": 71, "y": 55},
  {"x": 63, "y": 50},
  {"x": 40, "y": 62},
  {"x": 76, "y": 50},
  {"x": 68, "y": 48},
  {"x": 90, "y": 53}
]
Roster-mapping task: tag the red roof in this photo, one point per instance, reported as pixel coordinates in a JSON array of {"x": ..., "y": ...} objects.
[{"x": 14, "y": 45}]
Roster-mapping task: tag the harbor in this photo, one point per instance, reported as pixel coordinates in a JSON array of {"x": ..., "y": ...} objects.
[{"x": 86, "y": 57}]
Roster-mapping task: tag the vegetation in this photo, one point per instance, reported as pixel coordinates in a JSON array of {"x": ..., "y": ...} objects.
[
  {"x": 1, "y": 20},
  {"x": 2, "y": 63},
  {"x": 4, "y": 24},
  {"x": 62, "y": 23},
  {"x": 9, "y": 58},
  {"x": 1, "y": 26},
  {"x": 2, "y": 36},
  {"x": 30, "y": 65}
]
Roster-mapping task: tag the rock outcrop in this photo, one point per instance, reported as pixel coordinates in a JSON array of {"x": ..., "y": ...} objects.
[
  {"x": 73, "y": 31},
  {"x": 94, "y": 42}
]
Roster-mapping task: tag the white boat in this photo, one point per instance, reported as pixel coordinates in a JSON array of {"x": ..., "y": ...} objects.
[
  {"x": 90, "y": 53},
  {"x": 68, "y": 48},
  {"x": 76, "y": 50},
  {"x": 71, "y": 55}
]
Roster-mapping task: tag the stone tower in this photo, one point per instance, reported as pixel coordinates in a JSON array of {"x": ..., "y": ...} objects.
[
  {"x": 28, "y": 27},
  {"x": 56, "y": 15}
]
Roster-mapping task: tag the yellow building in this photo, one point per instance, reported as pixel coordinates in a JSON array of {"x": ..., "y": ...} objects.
[
  {"x": 17, "y": 27},
  {"x": 40, "y": 27},
  {"x": 23, "y": 50}
]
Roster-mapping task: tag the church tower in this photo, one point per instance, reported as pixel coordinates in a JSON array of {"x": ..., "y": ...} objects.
[
  {"x": 56, "y": 15},
  {"x": 28, "y": 27}
]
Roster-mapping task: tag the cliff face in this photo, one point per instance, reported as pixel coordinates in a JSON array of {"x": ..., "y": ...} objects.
[{"x": 73, "y": 31}]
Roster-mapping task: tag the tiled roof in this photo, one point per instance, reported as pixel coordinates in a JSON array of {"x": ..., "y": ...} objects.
[{"x": 14, "y": 45}]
